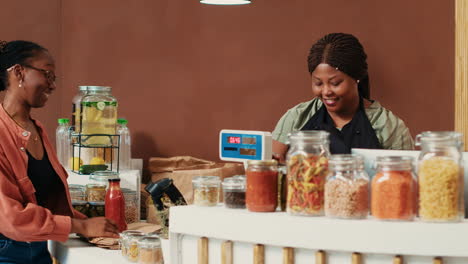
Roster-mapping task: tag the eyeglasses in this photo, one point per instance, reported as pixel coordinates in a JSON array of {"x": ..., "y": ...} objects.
[{"x": 50, "y": 76}]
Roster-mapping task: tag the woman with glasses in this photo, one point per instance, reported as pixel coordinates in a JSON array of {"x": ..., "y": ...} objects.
[
  {"x": 341, "y": 105},
  {"x": 35, "y": 202}
]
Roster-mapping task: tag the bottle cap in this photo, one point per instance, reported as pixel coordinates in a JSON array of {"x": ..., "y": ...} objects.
[
  {"x": 63, "y": 120},
  {"x": 122, "y": 121}
]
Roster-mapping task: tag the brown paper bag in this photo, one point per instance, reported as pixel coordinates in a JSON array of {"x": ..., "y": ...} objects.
[{"x": 183, "y": 169}]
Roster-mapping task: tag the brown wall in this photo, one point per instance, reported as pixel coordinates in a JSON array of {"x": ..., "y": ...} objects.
[
  {"x": 182, "y": 70},
  {"x": 38, "y": 21}
]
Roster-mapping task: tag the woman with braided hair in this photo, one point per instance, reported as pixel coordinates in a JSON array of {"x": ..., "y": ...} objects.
[
  {"x": 34, "y": 198},
  {"x": 342, "y": 105}
]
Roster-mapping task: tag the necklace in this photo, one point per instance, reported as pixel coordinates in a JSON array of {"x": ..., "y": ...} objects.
[{"x": 35, "y": 137}]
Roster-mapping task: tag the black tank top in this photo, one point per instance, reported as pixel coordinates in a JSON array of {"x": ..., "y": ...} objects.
[{"x": 44, "y": 179}]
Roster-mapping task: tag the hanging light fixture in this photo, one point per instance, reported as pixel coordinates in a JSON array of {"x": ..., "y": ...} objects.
[{"x": 225, "y": 2}]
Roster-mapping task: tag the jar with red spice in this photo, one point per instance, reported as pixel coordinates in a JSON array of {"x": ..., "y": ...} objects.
[
  {"x": 262, "y": 185},
  {"x": 307, "y": 162},
  {"x": 394, "y": 189},
  {"x": 347, "y": 187}
]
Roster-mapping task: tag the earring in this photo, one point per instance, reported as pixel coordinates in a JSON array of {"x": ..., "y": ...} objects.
[
  {"x": 358, "y": 81},
  {"x": 20, "y": 84}
]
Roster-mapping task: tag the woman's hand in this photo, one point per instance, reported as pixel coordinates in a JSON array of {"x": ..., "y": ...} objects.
[
  {"x": 95, "y": 227},
  {"x": 279, "y": 151}
]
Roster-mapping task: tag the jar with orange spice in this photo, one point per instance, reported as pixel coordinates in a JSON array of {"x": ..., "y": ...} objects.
[
  {"x": 394, "y": 189},
  {"x": 440, "y": 176},
  {"x": 262, "y": 185},
  {"x": 307, "y": 162}
]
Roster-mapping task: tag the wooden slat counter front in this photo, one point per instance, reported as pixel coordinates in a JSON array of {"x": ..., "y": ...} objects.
[{"x": 376, "y": 241}]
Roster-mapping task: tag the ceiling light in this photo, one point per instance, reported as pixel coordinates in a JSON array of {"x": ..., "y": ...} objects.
[{"x": 225, "y": 2}]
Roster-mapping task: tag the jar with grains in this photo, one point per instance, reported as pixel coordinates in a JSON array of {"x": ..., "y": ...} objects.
[
  {"x": 95, "y": 192},
  {"x": 150, "y": 250},
  {"x": 77, "y": 192},
  {"x": 234, "y": 192},
  {"x": 132, "y": 246},
  {"x": 307, "y": 163},
  {"x": 262, "y": 185},
  {"x": 96, "y": 208},
  {"x": 81, "y": 206},
  {"x": 394, "y": 189},
  {"x": 347, "y": 187},
  {"x": 440, "y": 176},
  {"x": 206, "y": 190},
  {"x": 123, "y": 240},
  {"x": 132, "y": 209}
]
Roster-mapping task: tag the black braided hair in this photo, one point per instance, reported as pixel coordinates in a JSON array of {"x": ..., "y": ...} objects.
[
  {"x": 15, "y": 52},
  {"x": 345, "y": 52}
]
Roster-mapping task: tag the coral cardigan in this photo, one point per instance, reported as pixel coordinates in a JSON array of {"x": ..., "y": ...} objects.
[{"x": 21, "y": 218}]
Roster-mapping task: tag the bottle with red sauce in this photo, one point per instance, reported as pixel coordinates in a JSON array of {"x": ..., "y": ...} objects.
[
  {"x": 262, "y": 185},
  {"x": 115, "y": 204}
]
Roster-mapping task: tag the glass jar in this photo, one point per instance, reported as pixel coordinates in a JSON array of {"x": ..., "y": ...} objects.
[
  {"x": 77, "y": 192},
  {"x": 206, "y": 190},
  {"x": 123, "y": 240},
  {"x": 132, "y": 212},
  {"x": 440, "y": 175},
  {"x": 149, "y": 250},
  {"x": 307, "y": 161},
  {"x": 76, "y": 108},
  {"x": 132, "y": 246},
  {"x": 99, "y": 116},
  {"x": 102, "y": 177},
  {"x": 394, "y": 189},
  {"x": 262, "y": 185},
  {"x": 346, "y": 188},
  {"x": 96, "y": 209},
  {"x": 95, "y": 192},
  {"x": 234, "y": 192},
  {"x": 80, "y": 206}
]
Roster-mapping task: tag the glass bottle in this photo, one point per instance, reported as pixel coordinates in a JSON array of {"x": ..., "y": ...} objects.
[
  {"x": 149, "y": 251},
  {"x": 307, "y": 162},
  {"x": 62, "y": 140},
  {"x": 76, "y": 108},
  {"x": 115, "y": 204},
  {"x": 440, "y": 176},
  {"x": 262, "y": 185},
  {"x": 206, "y": 190},
  {"x": 125, "y": 157},
  {"x": 394, "y": 189},
  {"x": 234, "y": 192},
  {"x": 347, "y": 188},
  {"x": 99, "y": 116}
]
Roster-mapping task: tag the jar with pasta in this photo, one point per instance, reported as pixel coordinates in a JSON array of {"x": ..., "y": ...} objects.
[
  {"x": 394, "y": 189},
  {"x": 206, "y": 190},
  {"x": 132, "y": 246},
  {"x": 347, "y": 188},
  {"x": 307, "y": 165},
  {"x": 149, "y": 251},
  {"x": 132, "y": 208},
  {"x": 440, "y": 175},
  {"x": 124, "y": 240}
]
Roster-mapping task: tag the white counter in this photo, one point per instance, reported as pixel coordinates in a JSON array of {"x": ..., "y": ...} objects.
[
  {"x": 378, "y": 241},
  {"x": 76, "y": 251}
]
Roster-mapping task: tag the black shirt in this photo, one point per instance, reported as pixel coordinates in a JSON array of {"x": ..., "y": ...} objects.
[{"x": 44, "y": 179}]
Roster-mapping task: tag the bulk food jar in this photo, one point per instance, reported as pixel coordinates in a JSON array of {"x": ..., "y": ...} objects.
[
  {"x": 307, "y": 162},
  {"x": 347, "y": 188},
  {"x": 262, "y": 185},
  {"x": 394, "y": 189},
  {"x": 99, "y": 116},
  {"x": 149, "y": 251},
  {"x": 206, "y": 190},
  {"x": 234, "y": 192},
  {"x": 440, "y": 175}
]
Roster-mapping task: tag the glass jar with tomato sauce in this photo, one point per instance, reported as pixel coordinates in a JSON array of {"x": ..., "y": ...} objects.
[
  {"x": 262, "y": 185},
  {"x": 307, "y": 162}
]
